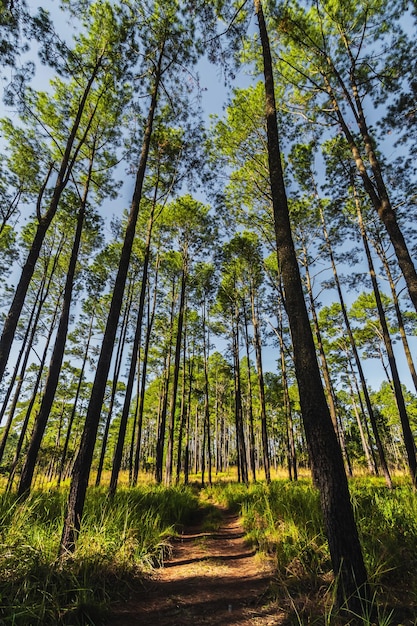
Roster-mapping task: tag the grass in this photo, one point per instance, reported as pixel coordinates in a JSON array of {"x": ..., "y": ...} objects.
[
  {"x": 283, "y": 520},
  {"x": 124, "y": 538},
  {"x": 121, "y": 540}
]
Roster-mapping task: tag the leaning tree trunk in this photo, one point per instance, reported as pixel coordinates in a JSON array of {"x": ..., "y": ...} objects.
[
  {"x": 116, "y": 375},
  {"x": 32, "y": 399},
  {"x": 44, "y": 221},
  {"x": 381, "y": 253},
  {"x": 75, "y": 404},
  {"x": 375, "y": 186},
  {"x": 24, "y": 352},
  {"x": 57, "y": 354},
  {"x": 117, "y": 458},
  {"x": 137, "y": 430},
  {"x": 399, "y": 397},
  {"x": 82, "y": 466},
  {"x": 371, "y": 462},
  {"x": 324, "y": 450},
  {"x": 358, "y": 362},
  {"x": 323, "y": 360}
]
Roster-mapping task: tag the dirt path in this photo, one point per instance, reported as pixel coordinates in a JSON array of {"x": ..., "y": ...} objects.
[{"x": 212, "y": 578}]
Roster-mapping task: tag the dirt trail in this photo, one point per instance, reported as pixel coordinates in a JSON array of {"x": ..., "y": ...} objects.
[{"x": 211, "y": 578}]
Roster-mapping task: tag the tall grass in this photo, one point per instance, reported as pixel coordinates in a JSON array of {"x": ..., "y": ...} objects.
[
  {"x": 121, "y": 540},
  {"x": 283, "y": 520}
]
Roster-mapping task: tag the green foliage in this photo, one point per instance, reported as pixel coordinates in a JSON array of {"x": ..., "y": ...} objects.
[{"x": 121, "y": 540}]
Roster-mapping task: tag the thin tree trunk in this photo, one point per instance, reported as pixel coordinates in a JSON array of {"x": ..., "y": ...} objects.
[
  {"x": 75, "y": 405},
  {"x": 160, "y": 444},
  {"x": 323, "y": 360},
  {"x": 116, "y": 375},
  {"x": 57, "y": 354},
  {"x": 358, "y": 363},
  {"x": 399, "y": 397},
  {"x": 82, "y": 466},
  {"x": 32, "y": 399},
  {"x": 44, "y": 222},
  {"x": 250, "y": 403},
  {"x": 374, "y": 187},
  {"x": 291, "y": 451},
  {"x": 183, "y": 410},
  {"x": 138, "y": 433},
  {"x": 117, "y": 459},
  {"x": 381, "y": 253},
  {"x": 25, "y": 352},
  {"x": 261, "y": 386},
  {"x": 177, "y": 361},
  {"x": 371, "y": 462},
  {"x": 206, "y": 344},
  {"x": 240, "y": 436}
]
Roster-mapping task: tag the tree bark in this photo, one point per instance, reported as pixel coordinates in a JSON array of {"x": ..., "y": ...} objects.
[
  {"x": 325, "y": 454},
  {"x": 399, "y": 397},
  {"x": 261, "y": 386},
  {"x": 177, "y": 361},
  {"x": 82, "y": 466},
  {"x": 352, "y": 342},
  {"x": 44, "y": 222}
]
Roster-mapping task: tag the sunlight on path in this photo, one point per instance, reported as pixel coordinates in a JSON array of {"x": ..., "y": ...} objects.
[{"x": 211, "y": 578}]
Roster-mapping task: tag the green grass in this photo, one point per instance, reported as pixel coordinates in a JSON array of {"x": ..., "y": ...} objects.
[
  {"x": 124, "y": 538},
  {"x": 121, "y": 540},
  {"x": 283, "y": 520}
]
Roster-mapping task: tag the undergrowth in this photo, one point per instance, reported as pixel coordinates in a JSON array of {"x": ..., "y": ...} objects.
[
  {"x": 283, "y": 520},
  {"x": 121, "y": 540},
  {"x": 124, "y": 538}
]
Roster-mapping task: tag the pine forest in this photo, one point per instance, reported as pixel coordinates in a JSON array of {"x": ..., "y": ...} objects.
[{"x": 208, "y": 302}]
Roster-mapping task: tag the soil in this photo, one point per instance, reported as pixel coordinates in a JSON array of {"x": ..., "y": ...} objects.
[{"x": 211, "y": 578}]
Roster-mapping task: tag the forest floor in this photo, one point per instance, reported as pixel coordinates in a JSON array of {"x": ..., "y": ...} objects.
[{"x": 211, "y": 578}]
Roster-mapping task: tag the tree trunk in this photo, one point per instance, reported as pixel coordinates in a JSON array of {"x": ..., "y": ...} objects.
[
  {"x": 240, "y": 436},
  {"x": 250, "y": 403},
  {"x": 82, "y": 466},
  {"x": 261, "y": 386},
  {"x": 358, "y": 363},
  {"x": 381, "y": 253},
  {"x": 177, "y": 361},
  {"x": 399, "y": 397},
  {"x": 323, "y": 360},
  {"x": 117, "y": 459},
  {"x": 25, "y": 351},
  {"x": 57, "y": 354},
  {"x": 374, "y": 187},
  {"x": 291, "y": 451},
  {"x": 137, "y": 433},
  {"x": 160, "y": 444},
  {"x": 183, "y": 411},
  {"x": 44, "y": 222},
  {"x": 75, "y": 405},
  {"x": 32, "y": 399},
  {"x": 325, "y": 454},
  {"x": 116, "y": 375}
]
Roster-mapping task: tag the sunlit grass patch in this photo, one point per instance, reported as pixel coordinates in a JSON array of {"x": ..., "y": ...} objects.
[{"x": 121, "y": 539}]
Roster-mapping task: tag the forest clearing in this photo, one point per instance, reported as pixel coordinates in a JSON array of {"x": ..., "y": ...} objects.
[{"x": 208, "y": 310}]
